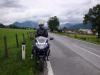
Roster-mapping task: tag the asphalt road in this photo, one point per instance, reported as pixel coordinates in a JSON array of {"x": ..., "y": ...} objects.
[{"x": 73, "y": 57}]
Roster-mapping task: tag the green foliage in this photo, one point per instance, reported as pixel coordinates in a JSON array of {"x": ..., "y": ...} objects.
[
  {"x": 14, "y": 65},
  {"x": 53, "y": 23},
  {"x": 1, "y": 25},
  {"x": 93, "y": 17},
  {"x": 88, "y": 38},
  {"x": 12, "y": 26}
]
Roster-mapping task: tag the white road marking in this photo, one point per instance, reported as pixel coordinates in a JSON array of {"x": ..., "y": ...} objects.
[
  {"x": 87, "y": 51},
  {"x": 50, "y": 71},
  {"x": 82, "y": 48},
  {"x": 90, "y": 56},
  {"x": 87, "y": 42},
  {"x": 87, "y": 55}
]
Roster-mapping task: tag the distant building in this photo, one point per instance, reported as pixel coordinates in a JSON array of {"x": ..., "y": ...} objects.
[{"x": 85, "y": 31}]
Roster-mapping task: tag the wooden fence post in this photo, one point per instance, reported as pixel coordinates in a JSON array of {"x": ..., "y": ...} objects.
[
  {"x": 6, "y": 48},
  {"x": 31, "y": 35},
  {"x": 17, "y": 43},
  {"x": 24, "y": 38},
  {"x": 27, "y": 35}
]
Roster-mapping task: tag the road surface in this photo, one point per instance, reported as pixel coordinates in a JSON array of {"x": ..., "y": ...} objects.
[{"x": 73, "y": 57}]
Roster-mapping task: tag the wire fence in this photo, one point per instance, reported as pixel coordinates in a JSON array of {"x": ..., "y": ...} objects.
[{"x": 13, "y": 42}]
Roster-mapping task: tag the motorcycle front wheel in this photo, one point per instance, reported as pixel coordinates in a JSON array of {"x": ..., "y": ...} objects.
[{"x": 41, "y": 64}]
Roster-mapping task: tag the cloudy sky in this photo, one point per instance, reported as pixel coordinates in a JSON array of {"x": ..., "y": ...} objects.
[{"x": 22, "y": 10}]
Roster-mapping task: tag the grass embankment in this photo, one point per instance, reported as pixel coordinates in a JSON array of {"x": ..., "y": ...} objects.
[
  {"x": 88, "y": 38},
  {"x": 13, "y": 65}
]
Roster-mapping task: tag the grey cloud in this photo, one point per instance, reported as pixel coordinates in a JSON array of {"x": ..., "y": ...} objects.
[
  {"x": 10, "y": 4},
  {"x": 66, "y": 10}
]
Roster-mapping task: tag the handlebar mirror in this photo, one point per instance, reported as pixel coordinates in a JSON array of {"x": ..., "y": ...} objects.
[{"x": 51, "y": 38}]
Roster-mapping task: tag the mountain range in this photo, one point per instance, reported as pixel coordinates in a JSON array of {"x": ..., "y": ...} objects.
[
  {"x": 33, "y": 24},
  {"x": 77, "y": 26},
  {"x": 30, "y": 24}
]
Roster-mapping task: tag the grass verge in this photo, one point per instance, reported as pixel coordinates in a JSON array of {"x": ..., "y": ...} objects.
[
  {"x": 13, "y": 65},
  {"x": 88, "y": 38}
]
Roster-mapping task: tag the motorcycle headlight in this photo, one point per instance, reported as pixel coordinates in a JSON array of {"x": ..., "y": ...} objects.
[{"x": 41, "y": 45}]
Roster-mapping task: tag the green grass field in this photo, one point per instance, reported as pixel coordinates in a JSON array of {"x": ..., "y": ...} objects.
[
  {"x": 88, "y": 38},
  {"x": 13, "y": 65}
]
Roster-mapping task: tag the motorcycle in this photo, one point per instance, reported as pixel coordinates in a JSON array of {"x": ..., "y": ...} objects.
[{"x": 41, "y": 51}]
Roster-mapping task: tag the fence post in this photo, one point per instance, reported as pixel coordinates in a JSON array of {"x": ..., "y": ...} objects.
[
  {"x": 31, "y": 35},
  {"x": 6, "y": 48},
  {"x": 27, "y": 35},
  {"x": 24, "y": 38},
  {"x": 17, "y": 43}
]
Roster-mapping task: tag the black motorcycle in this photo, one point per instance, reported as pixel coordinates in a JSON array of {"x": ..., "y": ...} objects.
[{"x": 41, "y": 51}]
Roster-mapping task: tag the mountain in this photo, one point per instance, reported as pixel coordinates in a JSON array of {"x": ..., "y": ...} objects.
[
  {"x": 81, "y": 26},
  {"x": 78, "y": 26},
  {"x": 68, "y": 25},
  {"x": 1, "y": 25},
  {"x": 30, "y": 24}
]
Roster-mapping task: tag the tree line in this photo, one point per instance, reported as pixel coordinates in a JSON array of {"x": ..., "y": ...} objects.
[
  {"x": 11, "y": 26},
  {"x": 92, "y": 17}
]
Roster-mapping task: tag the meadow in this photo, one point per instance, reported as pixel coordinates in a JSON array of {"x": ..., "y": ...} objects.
[
  {"x": 13, "y": 64},
  {"x": 84, "y": 37}
]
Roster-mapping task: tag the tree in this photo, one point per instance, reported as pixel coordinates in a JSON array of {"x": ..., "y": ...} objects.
[
  {"x": 53, "y": 23},
  {"x": 93, "y": 17},
  {"x": 12, "y": 26},
  {"x": 1, "y": 25}
]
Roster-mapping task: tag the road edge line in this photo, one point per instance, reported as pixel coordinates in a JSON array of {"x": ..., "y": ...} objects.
[{"x": 50, "y": 71}]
